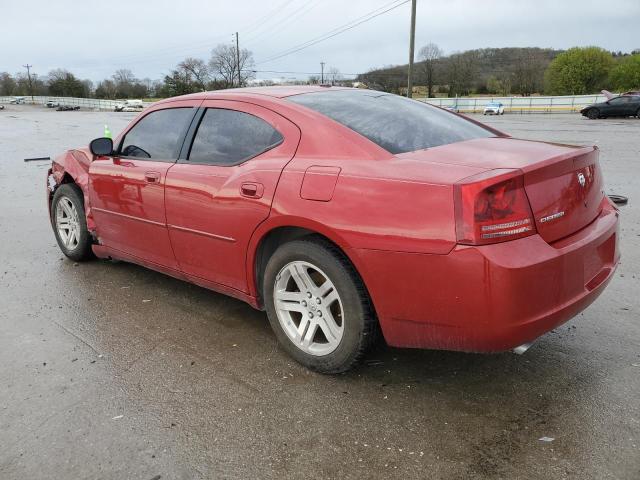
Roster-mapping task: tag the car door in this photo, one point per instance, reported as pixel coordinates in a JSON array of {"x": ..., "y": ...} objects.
[
  {"x": 127, "y": 189},
  {"x": 617, "y": 106},
  {"x": 632, "y": 105},
  {"x": 223, "y": 185}
]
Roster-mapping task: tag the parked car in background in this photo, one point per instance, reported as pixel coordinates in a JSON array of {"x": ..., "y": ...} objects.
[
  {"x": 129, "y": 106},
  {"x": 17, "y": 100},
  {"x": 627, "y": 105},
  {"x": 67, "y": 108},
  {"x": 493, "y": 108},
  {"x": 347, "y": 212},
  {"x": 452, "y": 108},
  {"x": 52, "y": 104},
  {"x": 1, "y": 107}
]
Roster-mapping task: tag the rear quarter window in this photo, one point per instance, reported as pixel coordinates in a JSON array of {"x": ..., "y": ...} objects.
[{"x": 395, "y": 123}]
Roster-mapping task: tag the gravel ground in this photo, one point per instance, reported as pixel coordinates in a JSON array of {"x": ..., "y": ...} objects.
[{"x": 111, "y": 371}]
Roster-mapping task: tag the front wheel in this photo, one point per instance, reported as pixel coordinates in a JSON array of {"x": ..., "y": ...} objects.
[
  {"x": 318, "y": 306},
  {"x": 638, "y": 113},
  {"x": 593, "y": 114},
  {"x": 69, "y": 222}
]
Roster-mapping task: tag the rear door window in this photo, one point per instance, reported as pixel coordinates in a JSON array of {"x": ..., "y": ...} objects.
[
  {"x": 395, "y": 123},
  {"x": 229, "y": 137},
  {"x": 158, "y": 135}
]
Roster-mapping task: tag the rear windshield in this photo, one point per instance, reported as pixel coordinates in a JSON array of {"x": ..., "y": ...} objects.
[{"x": 395, "y": 123}]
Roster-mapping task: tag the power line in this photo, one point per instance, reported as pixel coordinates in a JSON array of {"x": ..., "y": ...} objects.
[
  {"x": 291, "y": 72},
  {"x": 337, "y": 31},
  {"x": 286, "y": 20},
  {"x": 265, "y": 18}
]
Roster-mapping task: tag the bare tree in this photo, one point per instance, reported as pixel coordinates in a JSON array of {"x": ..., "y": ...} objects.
[
  {"x": 198, "y": 70},
  {"x": 528, "y": 72},
  {"x": 7, "y": 83},
  {"x": 224, "y": 63},
  {"x": 429, "y": 55},
  {"x": 124, "y": 80},
  {"x": 461, "y": 71},
  {"x": 124, "y": 75},
  {"x": 334, "y": 75}
]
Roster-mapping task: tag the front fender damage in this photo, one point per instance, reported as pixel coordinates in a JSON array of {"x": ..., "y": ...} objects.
[{"x": 73, "y": 167}]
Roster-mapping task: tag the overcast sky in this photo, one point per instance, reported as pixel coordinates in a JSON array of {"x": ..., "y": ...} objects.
[{"x": 94, "y": 38}]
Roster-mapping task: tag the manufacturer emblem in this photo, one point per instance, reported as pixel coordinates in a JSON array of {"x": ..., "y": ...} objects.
[
  {"x": 553, "y": 216},
  {"x": 581, "y": 180}
]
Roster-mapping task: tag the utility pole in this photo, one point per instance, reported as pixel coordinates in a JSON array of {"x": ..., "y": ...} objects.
[
  {"x": 412, "y": 41},
  {"x": 28, "y": 67},
  {"x": 238, "y": 60},
  {"x": 321, "y": 73}
]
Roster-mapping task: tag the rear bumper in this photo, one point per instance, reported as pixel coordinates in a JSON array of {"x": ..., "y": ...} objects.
[{"x": 494, "y": 297}]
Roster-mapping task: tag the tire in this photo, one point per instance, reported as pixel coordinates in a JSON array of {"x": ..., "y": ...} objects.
[
  {"x": 638, "y": 114},
  {"x": 67, "y": 208},
  {"x": 305, "y": 328},
  {"x": 593, "y": 114}
]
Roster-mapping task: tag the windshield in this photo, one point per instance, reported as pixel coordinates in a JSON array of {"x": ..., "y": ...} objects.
[{"x": 395, "y": 123}]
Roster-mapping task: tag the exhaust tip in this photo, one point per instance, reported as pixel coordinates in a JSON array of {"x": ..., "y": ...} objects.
[{"x": 519, "y": 350}]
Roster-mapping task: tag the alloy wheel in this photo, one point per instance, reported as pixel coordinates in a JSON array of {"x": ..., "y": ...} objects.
[
  {"x": 68, "y": 223},
  {"x": 309, "y": 308}
]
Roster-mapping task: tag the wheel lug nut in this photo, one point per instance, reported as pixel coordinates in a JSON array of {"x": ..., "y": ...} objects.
[
  {"x": 310, "y": 314},
  {"x": 319, "y": 313},
  {"x": 304, "y": 303},
  {"x": 318, "y": 301},
  {"x": 308, "y": 294}
]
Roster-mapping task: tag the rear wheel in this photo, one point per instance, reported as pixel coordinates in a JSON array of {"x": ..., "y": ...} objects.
[
  {"x": 638, "y": 113},
  {"x": 318, "y": 306},
  {"x": 593, "y": 114},
  {"x": 69, "y": 222}
]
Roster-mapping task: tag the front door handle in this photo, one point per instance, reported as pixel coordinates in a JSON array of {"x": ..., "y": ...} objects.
[
  {"x": 152, "y": 177},
  {"x": 252, "y": 190}
]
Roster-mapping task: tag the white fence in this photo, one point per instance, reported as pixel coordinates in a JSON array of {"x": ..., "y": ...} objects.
[
  {"x": 89, "y": 103},
  {"x": 564, "y": 104}
]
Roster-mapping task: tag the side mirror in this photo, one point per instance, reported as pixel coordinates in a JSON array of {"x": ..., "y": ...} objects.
[{"x": 102, "y": 146}]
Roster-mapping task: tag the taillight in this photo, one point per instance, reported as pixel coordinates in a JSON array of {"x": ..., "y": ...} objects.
[{"x": 492, "y": 207}]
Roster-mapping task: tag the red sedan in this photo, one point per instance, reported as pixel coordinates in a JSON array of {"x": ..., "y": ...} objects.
[{"x": 344, "y": 213}]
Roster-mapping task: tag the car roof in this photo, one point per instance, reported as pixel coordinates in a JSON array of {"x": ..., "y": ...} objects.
[{"x": 273, "y": 92}]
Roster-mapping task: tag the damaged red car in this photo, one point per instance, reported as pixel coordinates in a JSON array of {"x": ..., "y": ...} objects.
[{"x": 347, "y": 213}]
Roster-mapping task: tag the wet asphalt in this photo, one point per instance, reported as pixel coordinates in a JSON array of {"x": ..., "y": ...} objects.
[{"x": 112, "y": 371}]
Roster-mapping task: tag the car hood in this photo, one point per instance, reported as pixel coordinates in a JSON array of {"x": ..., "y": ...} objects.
[{"x": 601, "y": 104}]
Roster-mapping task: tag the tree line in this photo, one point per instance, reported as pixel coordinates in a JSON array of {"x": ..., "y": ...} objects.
[
  {"x": 226, "y": 68},
  {"x": 499, "y": 71},
  {"x": 513, "y": 71}
]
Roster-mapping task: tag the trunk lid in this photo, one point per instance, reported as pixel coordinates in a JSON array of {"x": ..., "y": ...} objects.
[
  {"x": 563, "y": 182},
  {"x": 565, "y": 194}
]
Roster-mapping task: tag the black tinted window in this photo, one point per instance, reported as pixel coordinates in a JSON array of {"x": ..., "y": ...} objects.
[
  {"x": 228, "y": 137},
  {"x": 157, "y": 135},
  {"x": 395, "y": 123}
]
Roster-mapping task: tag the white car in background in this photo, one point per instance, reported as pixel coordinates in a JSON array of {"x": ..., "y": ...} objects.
[
  {"x": 493, "y": 108},
  {"x": 129, "y": 106}
]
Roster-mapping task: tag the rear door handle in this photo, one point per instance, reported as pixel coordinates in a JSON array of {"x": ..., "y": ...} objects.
[
  {"x": 152, "y": 177},
  {"x": 252, "y": 190}
]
